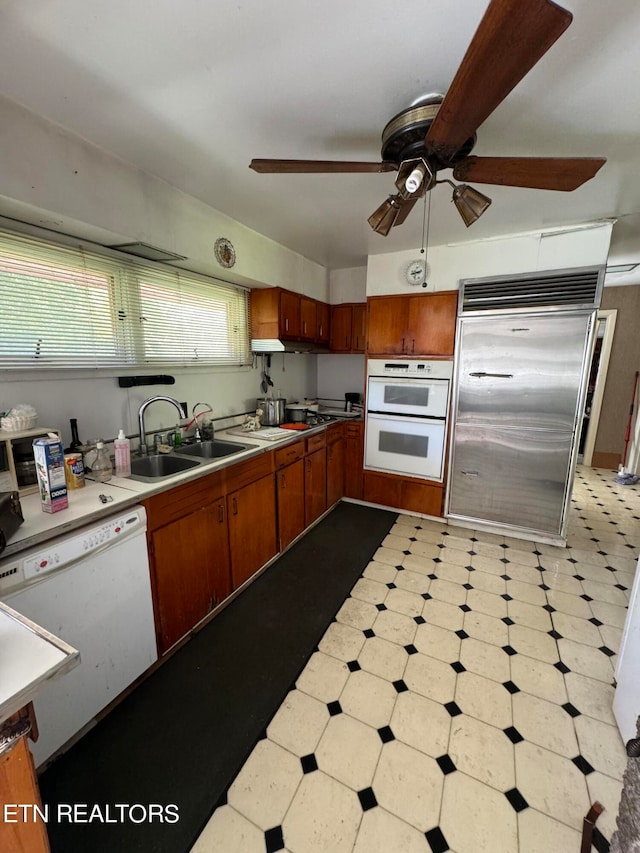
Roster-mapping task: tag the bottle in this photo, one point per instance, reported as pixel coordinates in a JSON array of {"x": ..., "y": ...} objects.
[
  {"x": 101, "y": 469},
  {"x": 122, "y": 449},
  {"x": 76, "y": 444}
]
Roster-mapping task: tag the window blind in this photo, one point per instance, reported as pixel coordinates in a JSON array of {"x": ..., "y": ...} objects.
[{"x": 66, "y": 307}]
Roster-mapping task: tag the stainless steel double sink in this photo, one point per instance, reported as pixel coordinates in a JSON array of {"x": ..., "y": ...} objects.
[{"x": 155, "y": 467}]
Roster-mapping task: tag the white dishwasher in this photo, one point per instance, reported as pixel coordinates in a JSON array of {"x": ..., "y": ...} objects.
[{"x": 92, "y": 589}]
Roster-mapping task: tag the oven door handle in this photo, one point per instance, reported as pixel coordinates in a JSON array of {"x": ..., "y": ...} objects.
[{"x": 399, "y": 416}]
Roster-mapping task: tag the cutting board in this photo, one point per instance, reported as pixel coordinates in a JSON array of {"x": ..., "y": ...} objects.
[{"x": 264, "y": 434}]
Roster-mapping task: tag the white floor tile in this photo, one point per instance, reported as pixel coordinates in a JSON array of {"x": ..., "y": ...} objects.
[
  {"x": 475, "y": 817},
  {"x": 299, "y": 722},
  {"x": 348, "y": 751},
  {"x": 430, "y": 677},
  {"x": 421, "y": 723},
  {"x": 229, "y": 832},
  {"x": 383, "y": 658},
  {"x": 323, "y": 677},
  {"x": 538, "y": 833},
  {"x": 482, "y": 751},
  {"x": 408, "y": 783},
  {"x": 484, "y": 699},
  {"x": 382, "y": 832},
  {"x": 552, "y": 784},
  {"x": 545, "y": 723},
  {"x": 602, "y": 746},
  {"x": 324, "y": 815},
  {"x": 368, "y": 698}
]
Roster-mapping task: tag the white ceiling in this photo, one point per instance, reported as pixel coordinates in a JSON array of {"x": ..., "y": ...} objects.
[{"x": 191, "y": 91}]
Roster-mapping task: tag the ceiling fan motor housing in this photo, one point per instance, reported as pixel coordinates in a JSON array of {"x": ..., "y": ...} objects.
[{"x": 403, "y": 137}]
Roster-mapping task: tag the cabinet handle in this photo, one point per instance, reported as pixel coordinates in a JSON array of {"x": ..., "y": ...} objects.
[
  {"x": 283, "y": 482},
  {"x": 234, "y": 505},
  {"x": 413, "y": 345},
  {"x": 221, "y": 513},
  {"x": 346, "y": 342},
  {"x": 403, "y": 345},
  {"x": 308, "y": 464},
  {"x": 304, "y": 327},
  {"x": 286, "y": 324},
  {"x": 320, "y": 334}
]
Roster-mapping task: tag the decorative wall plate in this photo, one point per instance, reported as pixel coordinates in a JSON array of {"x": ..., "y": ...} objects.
[{"x": 224, "y": 252}]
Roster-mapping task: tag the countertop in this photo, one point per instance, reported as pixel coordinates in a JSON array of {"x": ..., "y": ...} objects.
[
  {"x": 29, "y": 657},
  {"x": 85, "y": 505}
]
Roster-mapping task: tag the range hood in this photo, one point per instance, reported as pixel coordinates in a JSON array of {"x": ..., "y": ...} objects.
[{"x": 276, "y": 345}]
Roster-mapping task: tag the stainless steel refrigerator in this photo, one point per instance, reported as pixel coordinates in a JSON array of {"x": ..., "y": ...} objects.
[{"x": 519, "y": 393}]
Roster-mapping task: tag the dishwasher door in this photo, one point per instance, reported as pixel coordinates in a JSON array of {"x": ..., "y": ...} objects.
[{"x": 100, "y": 603}]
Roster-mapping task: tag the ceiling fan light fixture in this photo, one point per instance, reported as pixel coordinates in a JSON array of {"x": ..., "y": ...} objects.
[
  {"x": 471, "y": 203},
  {"x": 415, "y": 177},
  {"x": 383, "y": 218}
]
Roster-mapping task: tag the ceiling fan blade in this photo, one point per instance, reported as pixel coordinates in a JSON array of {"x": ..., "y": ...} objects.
[
  {"x": 292, "y": 167},
  {"x": 512, "y": 36},
  {"x": 406, "y": 206},
  {"x": 541, "y": 173}
]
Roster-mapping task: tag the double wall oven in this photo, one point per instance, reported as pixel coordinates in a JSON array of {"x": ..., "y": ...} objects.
[{"x": 406, "y": 417}]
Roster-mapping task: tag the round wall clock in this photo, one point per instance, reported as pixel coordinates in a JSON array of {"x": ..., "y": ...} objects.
[
  {"x": 417, "y": 272},
  {"x": 224, "y": 252}
]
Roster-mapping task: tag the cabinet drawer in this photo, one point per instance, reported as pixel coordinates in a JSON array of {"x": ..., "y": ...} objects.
[
  {"x": 183, "y": 500},
  {"x": 315, "y": 442},
  {"x": 249, "y": 471},
  {"x": 289, "y": 454},
  {"x": 353, "y": 430}
]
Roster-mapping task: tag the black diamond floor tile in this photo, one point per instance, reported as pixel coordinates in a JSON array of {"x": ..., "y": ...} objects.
[
  {"x": 583, "y": 765},
  {"x": 353, "y": 666},
  {"x": 458, "y": 667},
  {"x": 453, "y": 709},
  {"x": 386, "y": 734},
  {"x": 400, "y": 686},
  {"x": 511, "y": 687},
  {"x": 419, "y": 620},
  {"x": 437, "y": 841},
  {"x": 368, "y": 633},
  {"x": 513, "y": 734},
  {"x": 562, "y": 667},
  {"x": 274, "y": 839},
  {"x": 309, "y": 763},
  {"x": 445, "y": 763},
  {"x": 516, "y": 799},
  {"x": 571, "y": 710},
  {"x": 411, "y": 649},
  {"x": 509, "y": 650},
  {"x": 367, "y": 799},
  {"x": 334, "y": 708}
]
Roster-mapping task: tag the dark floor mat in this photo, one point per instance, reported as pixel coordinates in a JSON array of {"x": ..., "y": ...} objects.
[{"x": 182, "y": 736}]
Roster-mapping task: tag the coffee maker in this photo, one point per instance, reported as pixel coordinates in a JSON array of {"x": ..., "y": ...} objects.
[{"x": 350, "y": 399}]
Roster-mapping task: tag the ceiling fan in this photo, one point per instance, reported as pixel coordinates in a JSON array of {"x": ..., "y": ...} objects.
[{"x": 439, "y": 132}]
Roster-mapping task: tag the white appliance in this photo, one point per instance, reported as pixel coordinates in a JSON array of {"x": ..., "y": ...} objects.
[
  {"x": 92, "y": 589},
  {"x": 626, "y": 701},
  {"x": 406, "y": 417}
]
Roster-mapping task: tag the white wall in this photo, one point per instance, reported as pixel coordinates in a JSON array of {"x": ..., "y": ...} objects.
[
  {"x": 102, "y": 408},
  {"x": 348, "y": 285},
  {"x": 494, "y": 257},
  {"x": 61, "y": 181}
]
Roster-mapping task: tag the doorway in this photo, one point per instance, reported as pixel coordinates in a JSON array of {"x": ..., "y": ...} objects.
[{"x": 601, "y": 353}]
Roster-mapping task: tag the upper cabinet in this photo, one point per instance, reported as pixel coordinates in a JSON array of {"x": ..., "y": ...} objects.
[
  {"x": 423, "y": 324},
  {"x": 348, "y": 327},
  {"x": 281, "y": 314}
]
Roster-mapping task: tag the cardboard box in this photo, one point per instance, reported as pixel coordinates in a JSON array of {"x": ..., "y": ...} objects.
[{"x": 49, "y": 456}]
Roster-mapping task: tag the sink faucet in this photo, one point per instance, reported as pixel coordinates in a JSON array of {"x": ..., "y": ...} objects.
[
  {"x": 143, "y": 408},
  {"x": 205, "y": 432}
]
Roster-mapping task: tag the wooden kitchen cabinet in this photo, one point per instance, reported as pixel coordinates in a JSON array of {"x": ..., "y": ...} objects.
[
  {"x": 315, "y": 485},
  {"x": 353, "y": 459},
  {"x": 190, "y": 566},
  {"x": 308, "y": 321},
  {"x": 188, "y": 554},
  {"x": 341, "y": 320},
  {"x": 252, "y": 527},
  {"x": 421, "y": 325},
  {"x": 323, "y": 322},
  {"x": 335, "y": 464},
  {"x": 407, "y": 493},
  {"x": 290, "y": 492},
  {"x": 358, "y": 327},
  {"x": 289, "y": 314}
]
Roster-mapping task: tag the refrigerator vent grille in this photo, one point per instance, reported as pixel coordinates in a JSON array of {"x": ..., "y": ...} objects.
[{"x": 581, "y": 287}]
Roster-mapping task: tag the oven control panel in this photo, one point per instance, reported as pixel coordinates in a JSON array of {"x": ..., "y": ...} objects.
[{"x": 411, "y": 368}]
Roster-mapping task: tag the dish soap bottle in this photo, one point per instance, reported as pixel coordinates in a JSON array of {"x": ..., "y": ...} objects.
[
  {"x": 101, "y": 470},
  {"x": 123, "y": 455}
]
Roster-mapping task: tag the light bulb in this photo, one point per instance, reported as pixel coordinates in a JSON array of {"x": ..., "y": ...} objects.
[{"x": 414, "y": 179}]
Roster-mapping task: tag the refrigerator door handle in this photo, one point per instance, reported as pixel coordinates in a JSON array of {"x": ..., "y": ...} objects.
[{"x": 481, "y": 374}]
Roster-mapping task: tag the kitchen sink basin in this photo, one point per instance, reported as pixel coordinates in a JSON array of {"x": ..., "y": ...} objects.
[
  {"x": 212, "y": 449},
  {"x": 158, "y": 466}
]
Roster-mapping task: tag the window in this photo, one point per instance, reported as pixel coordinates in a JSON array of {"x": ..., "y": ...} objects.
[{"x": 68, "y": 308}]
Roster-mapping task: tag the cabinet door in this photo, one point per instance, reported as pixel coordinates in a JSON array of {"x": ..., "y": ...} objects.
[
  {"x": 252, "y": 528},
  {"x": 315, "y": 485},
  {"x": 19, "y": 784},
  {"x": 289, "y": 314},
  {"x": 335, "y": 472},
  {"x": 358, "y": 328},
  {"x": 353, "y": 459},
  {"x": 323, "y": 314},
  {"x": 432, "y": 324},
  {"x": 183, "y": 564},
  {"x": 307, "y": 319},
  {"x": 290, "y": 491},
  {"x": 341, "y": 319},
  {"x": 387, "y": 325}
]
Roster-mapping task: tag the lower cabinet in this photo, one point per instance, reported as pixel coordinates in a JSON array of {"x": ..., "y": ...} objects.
[
  {"x": 252, "y": 528},
  {"x": 335, "y": 464},
  {"x": 404, "y": 493},
  {"x": 315, "y": 485},
  {"x": 290, "y": 492},
  {"x": 190, "y": 570},
  {"x": 353, "y": 459}
]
